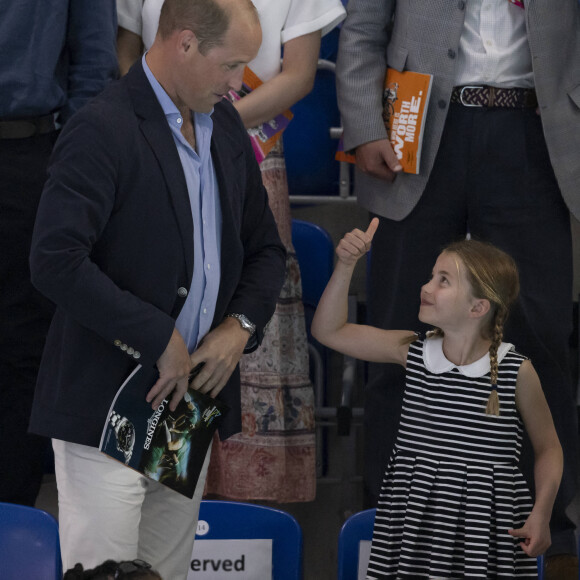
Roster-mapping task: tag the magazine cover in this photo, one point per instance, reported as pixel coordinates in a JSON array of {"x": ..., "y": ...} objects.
[
  {"x": 405, "y": 100},
  {"x": 166, "y": 446},
  {"x": 266, "y": 135}
]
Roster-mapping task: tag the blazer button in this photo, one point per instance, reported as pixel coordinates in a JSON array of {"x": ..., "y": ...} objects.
[
  {"x": 182, "y": 292},
  {"x": 442, "y": 104},
  {"x": 451, "y": 53},
  {"x": 461, "y": 5}
]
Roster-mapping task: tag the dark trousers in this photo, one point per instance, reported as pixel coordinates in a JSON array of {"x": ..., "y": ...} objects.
[
  {"x": 492, "y": 178},
  {"x": 24, "y": 316}
]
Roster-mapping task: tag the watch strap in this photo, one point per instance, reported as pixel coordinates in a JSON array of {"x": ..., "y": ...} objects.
[{"x": 244, "y": 321}]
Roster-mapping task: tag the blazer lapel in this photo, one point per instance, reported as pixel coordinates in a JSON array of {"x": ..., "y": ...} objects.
[
  {"x": 158, "y": 134},
  {"x": 226, "y": 154}
]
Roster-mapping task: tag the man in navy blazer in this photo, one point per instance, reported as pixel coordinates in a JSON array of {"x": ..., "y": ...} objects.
[{"x": 154, "y": 211}]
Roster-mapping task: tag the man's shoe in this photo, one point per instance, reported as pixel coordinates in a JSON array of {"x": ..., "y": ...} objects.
[{"x": 561, "y": 567}]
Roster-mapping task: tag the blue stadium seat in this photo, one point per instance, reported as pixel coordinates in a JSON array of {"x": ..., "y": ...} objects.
[
  {"x": 29, "y": 544},
  {"x": 309, "y": 149},
  {"x": 315, "y": 253},
  {"x": 225, "y": 520},
  {"x": 356, "y": 529}
]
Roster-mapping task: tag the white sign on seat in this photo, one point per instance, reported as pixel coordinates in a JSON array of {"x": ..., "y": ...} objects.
[
  {"x": 239, "y": 559},
  {"x": 364, "y": 553}
]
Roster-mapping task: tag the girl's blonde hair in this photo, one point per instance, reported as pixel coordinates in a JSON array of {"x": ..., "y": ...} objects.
[{"x": 492, "y": 275}]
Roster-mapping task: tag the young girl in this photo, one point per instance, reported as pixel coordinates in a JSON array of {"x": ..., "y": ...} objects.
[{"x": 453, "y": 502}]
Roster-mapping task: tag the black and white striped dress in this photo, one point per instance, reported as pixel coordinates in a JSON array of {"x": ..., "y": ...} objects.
[{"x": 453, "y": 488}]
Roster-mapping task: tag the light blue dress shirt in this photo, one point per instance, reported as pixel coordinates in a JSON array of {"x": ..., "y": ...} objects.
[{"x": 197, "y": 314}]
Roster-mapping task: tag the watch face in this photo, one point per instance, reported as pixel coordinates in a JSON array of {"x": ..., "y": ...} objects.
[{"x": 126, "y": 436}]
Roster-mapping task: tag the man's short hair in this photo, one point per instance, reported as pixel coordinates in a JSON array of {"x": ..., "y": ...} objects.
[{"x": 206, "y": 18}]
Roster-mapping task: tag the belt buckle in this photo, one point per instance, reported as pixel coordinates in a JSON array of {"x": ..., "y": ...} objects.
[{"x": 461, "y": 95}]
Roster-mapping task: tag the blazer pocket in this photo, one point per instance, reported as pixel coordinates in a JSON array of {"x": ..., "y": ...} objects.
[
  {"x": 397, "y": 57},
  {"x": 574, "y": 94}
]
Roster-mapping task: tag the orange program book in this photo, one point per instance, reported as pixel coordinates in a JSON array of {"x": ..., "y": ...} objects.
[{"x": 405, "y": 100}]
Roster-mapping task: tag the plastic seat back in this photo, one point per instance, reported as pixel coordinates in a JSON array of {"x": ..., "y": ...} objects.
[
  {"x": 315, "y": 253},
  {"x": 358, "y": 528},
  {"x": 29, "y": 544},
  {"x": 225, "y": 520}
]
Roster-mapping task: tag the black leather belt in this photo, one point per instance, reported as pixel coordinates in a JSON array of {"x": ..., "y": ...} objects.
[
  {"x": 486, "y": 96},
  {"x": 24, "y": 128}
]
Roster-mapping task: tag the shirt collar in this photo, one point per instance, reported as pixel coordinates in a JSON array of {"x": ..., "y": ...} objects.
[
  {"x": 437, "y": 363},
  {"x": 168, "y": 106}
]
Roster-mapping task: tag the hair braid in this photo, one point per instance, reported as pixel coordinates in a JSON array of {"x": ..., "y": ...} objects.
[
  {"x": 500, "y": 317},
  {"x": 434, "y": 332}
]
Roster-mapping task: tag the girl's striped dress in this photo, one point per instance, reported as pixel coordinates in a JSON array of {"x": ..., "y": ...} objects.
[{"x": 452, "y": 488}]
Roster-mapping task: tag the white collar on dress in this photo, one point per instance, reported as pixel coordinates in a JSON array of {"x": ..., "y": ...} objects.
[{"x": 437, "y": 363}]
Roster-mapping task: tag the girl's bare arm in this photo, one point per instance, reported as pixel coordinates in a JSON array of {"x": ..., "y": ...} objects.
[
  {"x": 548, "y": 461},
  {"x": 330, "y": 325}
]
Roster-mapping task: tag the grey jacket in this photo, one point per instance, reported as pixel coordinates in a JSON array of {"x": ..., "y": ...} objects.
[{"x": 424, "y": 38}]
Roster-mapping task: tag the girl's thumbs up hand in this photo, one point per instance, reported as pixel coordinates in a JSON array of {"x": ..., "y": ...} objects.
[{"x": 356, "y": 244}]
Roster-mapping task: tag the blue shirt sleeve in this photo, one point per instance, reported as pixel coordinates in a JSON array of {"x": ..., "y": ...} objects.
[
  {"x": 91, "y": 51},
  {"x": 54, "y": 56}
]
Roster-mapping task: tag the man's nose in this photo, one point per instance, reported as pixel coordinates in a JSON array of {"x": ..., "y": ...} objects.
[{"x": 235, "y": 81}]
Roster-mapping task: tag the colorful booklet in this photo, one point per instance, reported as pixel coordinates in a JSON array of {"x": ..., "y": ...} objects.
[
  {"x": 167, "y": 446},
  {"x": 266, "y": 135},
  {"x": 405, "y": 100}
]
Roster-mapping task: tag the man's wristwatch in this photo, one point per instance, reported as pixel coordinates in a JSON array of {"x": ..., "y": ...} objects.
[
  {"x": 125, "y": 434},
  {"x": 244, "y": 323}
]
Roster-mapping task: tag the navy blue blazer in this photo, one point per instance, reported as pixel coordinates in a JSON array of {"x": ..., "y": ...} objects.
[{"x": 113, "y": 248}]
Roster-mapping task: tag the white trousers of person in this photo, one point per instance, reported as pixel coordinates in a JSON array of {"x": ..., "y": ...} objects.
[{"x": 108, "y": 511}]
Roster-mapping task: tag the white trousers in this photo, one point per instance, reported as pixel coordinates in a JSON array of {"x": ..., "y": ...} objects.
[{"x": 109, "y": 511}]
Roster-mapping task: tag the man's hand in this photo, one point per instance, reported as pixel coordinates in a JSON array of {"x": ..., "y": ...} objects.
[
  {"x": 174, "y": 366},
  {"x": 378, "y": 159},
  {"x": 220, "y": 350}
]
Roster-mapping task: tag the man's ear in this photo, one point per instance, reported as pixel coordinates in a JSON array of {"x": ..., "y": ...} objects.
[
  {"x": 480, "y": 307},
  {"x": 187, "y": 41}
]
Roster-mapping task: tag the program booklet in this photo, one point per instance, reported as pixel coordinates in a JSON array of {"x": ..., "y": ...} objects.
[
  {"x": 167, "y": 446},
  {"x": 266, "y": 135},
  {"x": 405, "y": 100}
]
